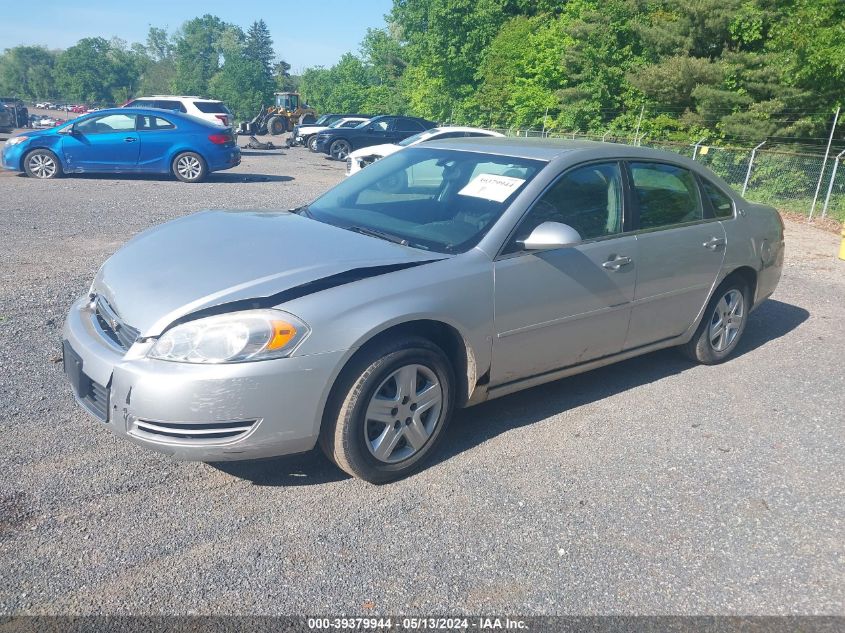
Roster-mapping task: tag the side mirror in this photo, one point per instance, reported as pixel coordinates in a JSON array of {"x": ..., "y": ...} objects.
[{"x": 551, "y": 235}]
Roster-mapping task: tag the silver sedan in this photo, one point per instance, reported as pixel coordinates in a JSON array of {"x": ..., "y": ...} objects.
[{"x": 439, "y": 277}]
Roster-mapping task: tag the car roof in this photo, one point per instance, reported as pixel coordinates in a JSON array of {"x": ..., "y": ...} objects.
[
  {"x": 146, "y": 110},
  {"x": 548, "y": 149},
  {"x": 177, "y": 97}
]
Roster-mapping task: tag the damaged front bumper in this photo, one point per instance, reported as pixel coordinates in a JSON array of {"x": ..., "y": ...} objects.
[{"x": 200, "y": 412}]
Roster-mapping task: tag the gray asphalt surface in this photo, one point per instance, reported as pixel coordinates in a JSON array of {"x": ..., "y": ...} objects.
[{"x": 650, "y": 487}]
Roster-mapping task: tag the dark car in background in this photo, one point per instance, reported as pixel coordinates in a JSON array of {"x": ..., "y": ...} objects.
[
  {"x": 19, "y": 111},
  {"x": 7, "y": 119},
  {"x": 338, "y": 143},
  {"x": 125, "y": 140}
]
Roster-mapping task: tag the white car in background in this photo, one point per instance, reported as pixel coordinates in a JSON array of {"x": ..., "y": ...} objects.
[
  {"x": 307, "y": 134},
  {"x": 210, "y": 110},
  {"x": 357, "y": 160}
]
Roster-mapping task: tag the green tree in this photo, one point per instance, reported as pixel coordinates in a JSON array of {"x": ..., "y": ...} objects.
[
  {"x": 197, "y": 53},
  {"x": 93, "y": 70},
  {"x": 258, "y": 47},
  {"x": 27, "y": 71}
]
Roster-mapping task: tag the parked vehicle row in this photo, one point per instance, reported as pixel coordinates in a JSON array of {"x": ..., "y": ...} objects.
[
  {"x": 339, "y": 142},
  {"x": 305, "y": 133},
  {"x": 125, "y": 140},
  {"x": 360, "y": 158}
]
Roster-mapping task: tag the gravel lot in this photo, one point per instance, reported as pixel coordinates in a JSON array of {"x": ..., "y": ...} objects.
[{"x": 650, "y": 487}]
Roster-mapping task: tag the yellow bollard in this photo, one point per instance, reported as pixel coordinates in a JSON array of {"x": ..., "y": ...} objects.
[{"x": 842, "y": 245}]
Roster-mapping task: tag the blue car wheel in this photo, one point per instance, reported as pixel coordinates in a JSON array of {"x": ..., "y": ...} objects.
[
  {"x": 42, "y": 163},
  {"x": 189, "y": 167}
]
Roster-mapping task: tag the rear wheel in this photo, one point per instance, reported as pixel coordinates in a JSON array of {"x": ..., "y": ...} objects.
[
  {"x": 340, "y": 149},
  {"x": 189, "y": 167},
  {"x": 277, "y": 125},
  {"x": 42, "y": 164},
  {"x": 722, "y": 326},
  {"x": 389, "y": 409}
]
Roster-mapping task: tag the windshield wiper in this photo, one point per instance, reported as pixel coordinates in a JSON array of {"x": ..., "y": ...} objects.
[
  {"x": 303, "y": 210},
  {"x": 363, "y": 230}
]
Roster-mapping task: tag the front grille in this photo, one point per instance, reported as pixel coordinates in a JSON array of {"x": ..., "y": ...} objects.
[
  {"x": 192, "y": 433},
  {"x": 112, "y": 326}
]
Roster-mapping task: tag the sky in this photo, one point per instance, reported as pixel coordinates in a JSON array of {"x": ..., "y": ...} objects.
[{"x": 313, "y": 33}]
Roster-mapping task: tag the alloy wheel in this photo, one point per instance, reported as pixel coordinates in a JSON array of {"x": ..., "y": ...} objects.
[
  {"x": 189, "y": 167},
  {"x": 340, "y": 150},
  {"x": 726, "y": 320},
  {"x": 403, "y": 413},
  {"x": 42, "y": 165}
]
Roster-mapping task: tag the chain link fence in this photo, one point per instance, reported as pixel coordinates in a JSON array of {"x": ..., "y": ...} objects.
[{"x": 792, "y": 181}]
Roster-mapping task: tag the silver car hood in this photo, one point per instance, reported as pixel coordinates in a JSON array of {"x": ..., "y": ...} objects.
[{"x": 216, "y": 258}]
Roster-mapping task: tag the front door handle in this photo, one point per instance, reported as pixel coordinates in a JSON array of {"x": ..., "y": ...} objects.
[
  {"x": 714, "y": 242},
  {"x": 130, "y": 139},
  {"x": 616, "y": 262}
]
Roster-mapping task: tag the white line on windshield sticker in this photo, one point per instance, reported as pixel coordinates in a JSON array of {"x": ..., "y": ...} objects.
[{"x": 491, "y": 187}]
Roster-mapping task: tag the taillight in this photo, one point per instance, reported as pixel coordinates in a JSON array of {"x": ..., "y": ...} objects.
[
  {"x": 223, "y": 118},
  {"x": 219, "y": 139}
]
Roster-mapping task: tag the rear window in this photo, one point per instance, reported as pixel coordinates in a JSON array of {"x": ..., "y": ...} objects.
[{"x": 211, "y": 107}]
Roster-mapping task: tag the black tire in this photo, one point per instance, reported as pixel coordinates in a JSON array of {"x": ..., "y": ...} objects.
[
  {"x": 340, "y": 149},
  {"x": 312, "y": 143},
  {"x": 189, "y": 167},
  {"x": 42, "y": 164},
  {"x": 277, "y": 125},
  {"x": 348, "y": 434},
  {"x": 706, "y": 346}
]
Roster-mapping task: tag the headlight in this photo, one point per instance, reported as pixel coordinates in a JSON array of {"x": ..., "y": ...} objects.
[
  {"x": 17, "y": 139},
  {"x": 232, "y": 338}
]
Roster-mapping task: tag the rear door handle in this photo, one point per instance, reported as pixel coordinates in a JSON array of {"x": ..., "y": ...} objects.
[
  {"x": 616, "y": 262},
  {"x": 714, "y": 242},
  {"x": 130, "y": 139}
]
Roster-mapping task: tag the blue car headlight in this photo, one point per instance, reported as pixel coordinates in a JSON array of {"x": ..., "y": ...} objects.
[{"x": 15, "y": 140}]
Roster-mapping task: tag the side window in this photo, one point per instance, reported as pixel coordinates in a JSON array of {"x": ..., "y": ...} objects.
[
  {"x": 382, "y": 125},
  {"x": 107, "y": 124},
  {"x": 666, "y": 195},
  {"x": 723, "y": 206},
  {"x": 408, "y": 125},
  {"x": 140, "y": 103},
  {"x": 440, "y": 137},
  {"x": 589, "y": 199},
  {"x": 147, "y": 122},
  {"x": 171, "y": 105}
]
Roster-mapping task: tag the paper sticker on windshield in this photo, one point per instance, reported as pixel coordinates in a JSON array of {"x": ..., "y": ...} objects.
[{"x": 492, "y": 187}]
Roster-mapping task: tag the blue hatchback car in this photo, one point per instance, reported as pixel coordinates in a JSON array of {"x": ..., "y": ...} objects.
[{"x": 125, "y": 140}]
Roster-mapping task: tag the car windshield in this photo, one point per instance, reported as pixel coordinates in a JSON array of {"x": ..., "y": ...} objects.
[
  {"x": 417, "y": 137},
  {"x": 434, "y": 199}
]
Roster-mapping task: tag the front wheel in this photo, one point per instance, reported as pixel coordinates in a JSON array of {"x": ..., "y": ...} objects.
[
  {"x": 340, "y": 149},
  {"x": 277, "y": 125},
  {"x": 389, "y": 409},
  {"x": 312, "y": 143},
  {"x": 42, "y": 164},
  {"x": 722, "y": 326},
  {"x": 189, "y": 167}
]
